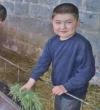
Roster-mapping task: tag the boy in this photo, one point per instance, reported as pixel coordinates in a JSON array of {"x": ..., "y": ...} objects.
[
  {"x": 3, "y": 13},
  {"x": 71, "y": 56}
]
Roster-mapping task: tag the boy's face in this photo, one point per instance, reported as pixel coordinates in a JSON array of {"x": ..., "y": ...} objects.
[{"x": 64, "y": 25}]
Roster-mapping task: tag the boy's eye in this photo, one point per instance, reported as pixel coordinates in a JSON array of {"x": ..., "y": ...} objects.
[
  {"x": 58, "y": 22},
  {"x": 69, "y": 22},
  {"x": 63, "y": 22}
]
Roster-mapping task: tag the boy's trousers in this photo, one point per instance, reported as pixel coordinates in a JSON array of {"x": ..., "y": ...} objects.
[{"x": 66, "y": 103}]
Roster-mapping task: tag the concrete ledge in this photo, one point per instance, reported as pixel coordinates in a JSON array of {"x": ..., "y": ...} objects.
[{"x": 7, "y": 104}]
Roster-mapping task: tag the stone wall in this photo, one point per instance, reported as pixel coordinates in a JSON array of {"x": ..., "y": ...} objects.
[{"x": 29, "y": 21}]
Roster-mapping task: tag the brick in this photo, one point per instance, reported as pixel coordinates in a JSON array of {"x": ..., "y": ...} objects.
[
  {"x": 35, "y": 25},
  {"x": 93, "y": 5},
  {"x": 39, "y": 11},
  {"x": 89, "y": 21},
  {"x": 48, "y": 2},
  {"x": 32, "y": 1},
  {"x": 21, "y": 9},
  {"x": 18, "y": 0},
  {"x": 13, "y": 21}
]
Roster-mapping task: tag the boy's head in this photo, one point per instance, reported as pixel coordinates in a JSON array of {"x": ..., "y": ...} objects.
[
  {"x": 66, "y": 8},
  {"x": 65, "y": 19},
  {"x": 3, "y": 13}
]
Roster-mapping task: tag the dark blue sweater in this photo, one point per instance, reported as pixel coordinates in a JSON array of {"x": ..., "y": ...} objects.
[{"x": 72, "y": 62}]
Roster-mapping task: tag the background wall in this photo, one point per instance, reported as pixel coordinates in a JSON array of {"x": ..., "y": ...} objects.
[{"x": 28, "y": 23}]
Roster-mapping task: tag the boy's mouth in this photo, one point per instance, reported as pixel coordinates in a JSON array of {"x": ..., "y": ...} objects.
[{"x": 63, "y": 31}]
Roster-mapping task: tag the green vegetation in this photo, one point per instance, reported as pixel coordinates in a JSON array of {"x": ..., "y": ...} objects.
[{"x": 29, "y": 100}]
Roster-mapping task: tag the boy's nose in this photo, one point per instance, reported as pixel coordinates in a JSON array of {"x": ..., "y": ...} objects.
[{"x": 63, "y": 25}]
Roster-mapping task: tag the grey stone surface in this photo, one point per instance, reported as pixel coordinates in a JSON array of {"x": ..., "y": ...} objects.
[
  {"x": 96, "y": 79},
  {"x": 51, "y": 3},
  {"x": 21, "y": 9},
  {"x": 39, "y": 11},
  {"x": 89, "y": 21},
  {"x": 76, "y": 2},
  {"x": 17, "y": 0},
  {"x": 13, "y": 21},
  {"x": 32, "y": 1},
  {"x": 6, "y": 103},
  {"x": 93, "y": 5},
  {"x": 10, "y": 7},
  {"x": 35, "y": 25}
]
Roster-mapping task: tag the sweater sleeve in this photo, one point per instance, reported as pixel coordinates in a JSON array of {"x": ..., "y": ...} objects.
[
  {"x": 42, "y": 64},
  {"x": 85, "y": 68}
]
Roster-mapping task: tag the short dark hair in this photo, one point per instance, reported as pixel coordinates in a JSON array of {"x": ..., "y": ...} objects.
[
  {"x": 66, "y": 8},
  {"x": 3, "y": 13}
]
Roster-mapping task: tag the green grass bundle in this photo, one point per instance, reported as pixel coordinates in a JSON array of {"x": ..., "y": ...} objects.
[{"x": 29, "y": 100}]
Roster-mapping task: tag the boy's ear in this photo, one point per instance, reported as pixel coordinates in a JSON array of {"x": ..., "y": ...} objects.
[{"x": 2, "y": 23}]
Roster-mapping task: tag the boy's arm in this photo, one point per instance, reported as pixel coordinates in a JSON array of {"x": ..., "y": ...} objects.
[
  {"x": 41, "y": 67},
  {"x": 58, "y": 90},
  {"x": 29, "y": 84},
  {"x": 43, "y": 63},
  {"x": 85, "y": 69}
]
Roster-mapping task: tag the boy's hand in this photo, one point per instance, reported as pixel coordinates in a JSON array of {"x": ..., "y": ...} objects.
[
  {"x": 29, "y": 84},
  {"x": 58, "y": 90}
]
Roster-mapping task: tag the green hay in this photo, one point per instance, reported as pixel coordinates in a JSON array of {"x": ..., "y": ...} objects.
[{"x": 29, "y": 100}]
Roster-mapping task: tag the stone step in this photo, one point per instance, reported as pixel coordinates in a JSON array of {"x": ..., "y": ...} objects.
[{"x": 7, "y": 104}]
